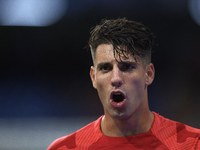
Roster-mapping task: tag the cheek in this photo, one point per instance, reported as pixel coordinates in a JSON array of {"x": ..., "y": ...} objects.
[
  {"x": 103, "y": 87},
  {"x": 138, "y": 85},
  {"x": 102, "y": 81}
]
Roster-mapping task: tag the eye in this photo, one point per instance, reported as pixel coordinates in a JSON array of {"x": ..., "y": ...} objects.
[
  {"x": 105, "y": 68},
  {"x": 126, "y": 66}
]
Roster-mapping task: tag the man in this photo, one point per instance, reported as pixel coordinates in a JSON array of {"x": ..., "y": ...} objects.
[{"x": 122, "y": 71}]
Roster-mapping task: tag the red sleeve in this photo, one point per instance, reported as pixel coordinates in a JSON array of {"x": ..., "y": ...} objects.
[
  {"x": 64, "y": 143},
  {"x": 82, "y": 138}
]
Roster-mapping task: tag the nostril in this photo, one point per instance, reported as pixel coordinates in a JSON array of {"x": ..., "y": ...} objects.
[{"x": 117, "y": 83}]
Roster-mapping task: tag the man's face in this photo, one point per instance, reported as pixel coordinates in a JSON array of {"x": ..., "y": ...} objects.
[{"x": 122, "y": 86}]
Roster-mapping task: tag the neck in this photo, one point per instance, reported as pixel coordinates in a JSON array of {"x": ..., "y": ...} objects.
[{"x": 137, "y": 124}]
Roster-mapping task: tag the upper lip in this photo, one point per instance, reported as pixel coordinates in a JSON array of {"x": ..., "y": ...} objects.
[{"x": 118, "y": 91}]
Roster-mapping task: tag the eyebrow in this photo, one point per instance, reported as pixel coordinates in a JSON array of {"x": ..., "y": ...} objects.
[
  {"x": 123, "y": 62},
  {"x": 128, "y": 62},
  {"x": 102, "y": 64}
]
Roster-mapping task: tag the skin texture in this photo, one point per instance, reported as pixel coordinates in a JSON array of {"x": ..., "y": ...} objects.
[{"x": 130, "y": 78}]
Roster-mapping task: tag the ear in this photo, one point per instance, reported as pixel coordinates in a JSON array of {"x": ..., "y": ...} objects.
[
  {"x": 92, "y": 76},
  {"x": 150, "y": 73}
]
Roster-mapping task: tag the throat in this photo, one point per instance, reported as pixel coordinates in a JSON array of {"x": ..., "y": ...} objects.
[
  {"x": 118, "y": 128},
  {"x": 123, "y": 128}
]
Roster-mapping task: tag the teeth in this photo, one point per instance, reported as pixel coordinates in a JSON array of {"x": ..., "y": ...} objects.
[{"x": 117, "y": 94}]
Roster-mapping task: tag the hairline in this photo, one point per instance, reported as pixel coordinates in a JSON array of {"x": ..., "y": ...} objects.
[{"x": 144, "y": 59}]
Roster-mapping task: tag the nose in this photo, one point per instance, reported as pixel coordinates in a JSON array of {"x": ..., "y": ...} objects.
[{"x": 116, "y": 78}]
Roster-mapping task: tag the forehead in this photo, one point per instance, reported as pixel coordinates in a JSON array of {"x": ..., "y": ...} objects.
[
  {"x": 104, "y": 52},
  {"x": 104, "y": 49}
]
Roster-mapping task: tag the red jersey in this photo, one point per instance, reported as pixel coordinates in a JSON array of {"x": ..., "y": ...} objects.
[{"x": 164, "y": 134}]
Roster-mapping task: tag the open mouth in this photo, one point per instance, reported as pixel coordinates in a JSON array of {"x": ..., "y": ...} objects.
[
  {"x": 118, "y": 97},
  {"x": 118, "y": 100}
]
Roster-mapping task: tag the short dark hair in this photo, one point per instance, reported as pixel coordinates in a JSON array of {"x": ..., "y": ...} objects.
[{"x": 125, "y": 36}]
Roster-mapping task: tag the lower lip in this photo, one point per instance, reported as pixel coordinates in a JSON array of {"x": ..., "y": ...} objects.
[{"x": 118, "y": 104}]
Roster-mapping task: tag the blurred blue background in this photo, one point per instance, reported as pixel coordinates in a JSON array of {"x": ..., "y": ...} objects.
[{"x": 45, "y": 88}]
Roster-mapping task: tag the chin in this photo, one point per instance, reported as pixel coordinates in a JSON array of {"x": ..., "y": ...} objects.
[{"x": 120, "y": 115}]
